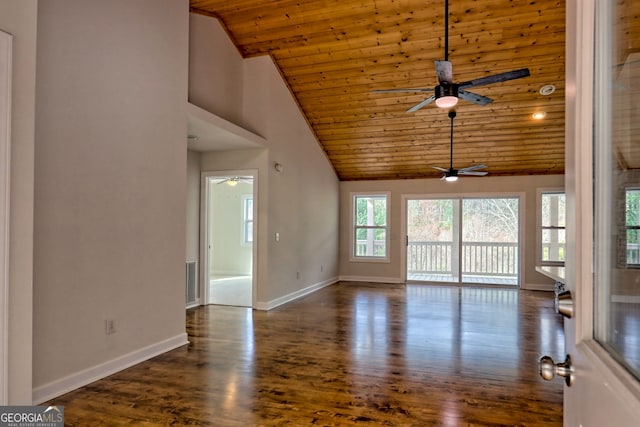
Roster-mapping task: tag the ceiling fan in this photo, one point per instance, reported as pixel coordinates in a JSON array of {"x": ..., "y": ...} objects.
[
  {"x": 235, "y": 180},
  {"x": 447, "y": 93},
  {"x": 452, "y": 174}
]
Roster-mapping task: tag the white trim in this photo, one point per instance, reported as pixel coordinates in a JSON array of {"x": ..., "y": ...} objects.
[
  {"x": 539, "y": 192},
  {"x": 269, "y": 305},
  {"x": 352, "y": 250},
  {"x": 373, "y": 279},
  {"x": 5, "y": 195},
  {"x": 64, "y": 385},
  {"x": 204, "y": 231}
]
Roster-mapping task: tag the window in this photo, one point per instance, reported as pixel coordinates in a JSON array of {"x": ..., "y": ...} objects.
[
  {"x": 370, "y": 218},
  {"x": 247, "y": 220},
  {"x": 552, "y": 227},
  {"x": 632, "y": 226}
]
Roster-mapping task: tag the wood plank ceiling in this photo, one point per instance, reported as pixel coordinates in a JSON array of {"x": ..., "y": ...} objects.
[{"x": 333, "y": 54}]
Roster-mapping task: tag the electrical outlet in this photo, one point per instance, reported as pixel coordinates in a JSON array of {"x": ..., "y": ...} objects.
[
  {"x": 109, "y": 326},
  {"x": 321, "y": 268},
  {"x": 297, "y": 274}
]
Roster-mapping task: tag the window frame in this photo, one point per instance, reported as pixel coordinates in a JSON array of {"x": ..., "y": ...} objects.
[
  {"x": 354, "y": 227},
  {"x": 540, "y": 228},
  {"x": 246, "y": 233}
]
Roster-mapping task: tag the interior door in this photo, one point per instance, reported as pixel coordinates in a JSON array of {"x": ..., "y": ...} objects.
[{"x": 602, "y": 162}]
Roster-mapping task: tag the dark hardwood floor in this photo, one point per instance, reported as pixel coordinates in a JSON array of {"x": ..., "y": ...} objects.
[{"x": 350, "y": 354}]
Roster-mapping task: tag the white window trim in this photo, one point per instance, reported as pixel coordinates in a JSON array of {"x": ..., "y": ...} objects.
[
  {"x": 352, "y": 231},
  {"x": 244, "y": 199},
  {"x": 539, "y": 192}
]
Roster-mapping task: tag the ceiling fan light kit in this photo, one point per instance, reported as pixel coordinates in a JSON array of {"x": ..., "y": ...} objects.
[{"x": 446, "y": 96}]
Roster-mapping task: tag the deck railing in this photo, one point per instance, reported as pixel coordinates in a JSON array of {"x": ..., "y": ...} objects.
[{"x": 478, "y": 258}]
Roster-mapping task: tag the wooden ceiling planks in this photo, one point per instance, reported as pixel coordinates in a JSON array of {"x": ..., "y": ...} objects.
[{"x": 333, "y": 53}]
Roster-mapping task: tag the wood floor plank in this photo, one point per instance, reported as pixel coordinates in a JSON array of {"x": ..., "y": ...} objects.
[{"x": 349, "y": 354}]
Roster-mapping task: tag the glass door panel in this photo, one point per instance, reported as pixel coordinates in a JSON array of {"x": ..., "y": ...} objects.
[
  {"x": 490, "y": 240},
  {"x": 432, "y": 236},
  {"x": 617, "y": 179}
]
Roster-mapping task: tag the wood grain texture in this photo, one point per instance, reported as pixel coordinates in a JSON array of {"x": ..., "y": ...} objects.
[
  {"x": 350, "y": 354},
  {"x": 333, "y": 54}
]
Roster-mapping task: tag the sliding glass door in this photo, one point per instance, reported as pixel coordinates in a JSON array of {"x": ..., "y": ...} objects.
[{"x": 463, "y": 240}]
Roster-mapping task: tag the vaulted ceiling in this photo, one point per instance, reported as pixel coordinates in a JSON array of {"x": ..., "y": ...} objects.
[{"x": 334, "y": 54}]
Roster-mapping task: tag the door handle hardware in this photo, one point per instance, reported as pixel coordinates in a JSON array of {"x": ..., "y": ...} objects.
[
  {"x": 564, "y": 304},
  {"x": 549, "y": 369}
]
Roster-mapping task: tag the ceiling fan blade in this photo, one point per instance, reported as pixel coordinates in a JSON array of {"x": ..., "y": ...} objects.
[
  {"x": 402, "y": 90},
  {"x": 421, "y": 104},
  {"x": 444, "y": 70},
  {"x": 472, "y": 173},
  {"x": 496, "y": 78},
  {"x": 472, "y": 168},
  {"x": 440, "y": 169},
  {"x": 474, "y": 97}
]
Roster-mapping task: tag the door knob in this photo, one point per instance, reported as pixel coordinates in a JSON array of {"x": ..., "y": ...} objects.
[
  {"x": 549, "y": 369},
  {"x": 564, "y": 304}
]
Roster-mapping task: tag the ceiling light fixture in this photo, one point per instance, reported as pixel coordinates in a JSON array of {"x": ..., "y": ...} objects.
[
  {"x": 446, "y": 96},
  {"x": 451, "y": 178},
  {"x": 539, "y": 115},
  {"x": 547, "y": 90}
]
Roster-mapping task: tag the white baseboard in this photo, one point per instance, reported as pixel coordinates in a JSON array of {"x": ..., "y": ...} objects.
[
  {"x": 64, "y": 385},
  {"x": 295, "y": 295},
  {"x": 371, "y": 279}
]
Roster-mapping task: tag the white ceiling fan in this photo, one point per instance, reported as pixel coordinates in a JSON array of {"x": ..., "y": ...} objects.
[
  {"x": 452, "y": 174},
  {"x": 447, "y": 93}
]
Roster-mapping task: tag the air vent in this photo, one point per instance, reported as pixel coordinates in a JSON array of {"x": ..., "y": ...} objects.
[{"x": 191, "y": 275}]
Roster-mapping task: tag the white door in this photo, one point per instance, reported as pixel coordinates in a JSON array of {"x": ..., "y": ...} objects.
[{"x": 603, "y": 161}]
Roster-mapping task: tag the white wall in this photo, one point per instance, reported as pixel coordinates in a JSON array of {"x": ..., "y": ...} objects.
[
  {"x": 193, "y": 206},
  {"x": 301, "y": 202},
  {"x": 392, "y": 271},
  {"x": 109, "y": 184},
  {"x": 19, "y": 18},
  {"x": 304, "y": 197},
  {"x": 229, "y": 256},
  {"x": 215, "y": 70}
]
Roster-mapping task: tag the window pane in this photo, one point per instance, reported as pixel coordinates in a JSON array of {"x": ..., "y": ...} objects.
[
  {"x": 616, "y": 162},
  {"x": 553, "y": 244},
  {"x": 490, "y": 230},
  {"x": 632, "y": 200},
  {"x": 370, "y": 226},
  {"x": 371, "y": 210},
  {"x": 371, "y": 242},
  {"x": 553, "y": 213}
]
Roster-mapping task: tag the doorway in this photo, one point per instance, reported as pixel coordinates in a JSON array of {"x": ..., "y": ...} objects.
[
  {"x": 463, "y": 240},
  {"x": 229, "y": 237}
]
